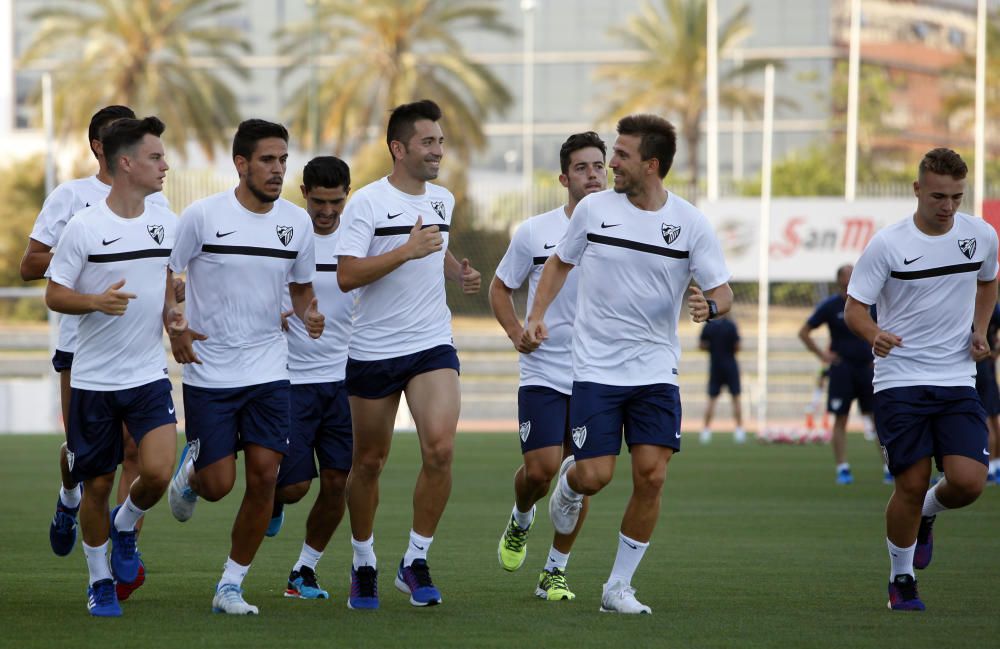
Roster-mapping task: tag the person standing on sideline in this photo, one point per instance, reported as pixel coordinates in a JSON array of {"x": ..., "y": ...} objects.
[
  {"x": 321, "y": 416},
  {"x": 66, "y": 200},
  {"x": 394, "y": 248},
  {"x": 721, "y": 339},
  {"x": 637, "y": 249},
  {"x": 851, "y": 370},
  {"x": 934, "y": 277},
  {"x": 546, "y": 372},
  {"x": 243, "y": 251},
  {"x": 111, "y": 270}
]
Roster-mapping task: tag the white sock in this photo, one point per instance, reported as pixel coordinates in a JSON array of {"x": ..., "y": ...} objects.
[
  {"x": 523, "y": 519},
  {"x": 932, "y": 506},
  {"x": 868, "y": 424},
  {"x": 627, "y": 560},
  {"x": 127, "y": 516},
  {"x": 233, "y": 573},
  {"x": 843, "y": 466},
  {"x": 417, "y": 549},
  {"x": 364, "y": 552},
  {"x": 72, "y": 497},
  {"x": 309, "y": 557},
  {"x": 901, "y": 559},
  {"x": 739, "y": 435},
  {"x": 97, "y": 562},
  {"x": 885, "y": 469},
  {"x": 994, "y": 465},
  {"x": 817, "y": 399},
  {"x": 556, "y": 559}
]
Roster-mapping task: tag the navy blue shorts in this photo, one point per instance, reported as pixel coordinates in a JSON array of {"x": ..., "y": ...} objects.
[
  {"x": 321, "y": 423},
  {"x": 929, "y": 421},
  {"x": 377, "y": 379},
  {"x": 649, "y": 414},
  {"x": 221, "y": 421},
  {"x": 986, "y": 386},
  {"x": 847, "y": 383},
  {"x": 62, "y": 361},
  {"x": 543, "y": 417},
  {"x": 94, "y": 434},
  {"x": 724, "y": 375}
]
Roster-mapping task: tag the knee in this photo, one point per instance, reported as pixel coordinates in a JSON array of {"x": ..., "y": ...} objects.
[
  {"x": 589, "y": 481},
  {"x": 292, "y": 493},
  {"x": 158, "y": 478},
  {"x": 650, "y": 481},
  {"x": 538, "y": 475},
  {"x": 98, "y": 489},
  {"x": 438, "y": 456},
  {"x": 967, "y": 486},
  {"x": 214, "y": 489},
  {"x": 368, "y": 464}
]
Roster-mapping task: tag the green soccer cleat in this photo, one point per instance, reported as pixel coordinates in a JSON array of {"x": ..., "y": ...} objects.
[
  {"x": 512, "y": 549},
  {"x": 553, "y": 587}
]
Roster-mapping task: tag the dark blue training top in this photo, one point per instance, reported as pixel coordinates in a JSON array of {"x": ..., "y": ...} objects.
[
  {"x": 991, "y": 338},
  {"x": 722, "y": 337},
  {"x": 843, "y": 342}
]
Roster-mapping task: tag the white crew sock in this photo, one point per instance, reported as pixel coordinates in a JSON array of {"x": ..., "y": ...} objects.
[
  {"x": 97, "y": 562},
  {"x": 627, "y": 560},
  {"x": 932, "y": 506},
  {"x": 127, "y": 516},
  {"x": 556, "y": 560},
  {"x": 233, "y": 573},
  {"x": 364, "y": 552},
  {"x": 523, "y": 519},
  {"x": 308, "y": 558},
  {"x": 71, "y": 498},
  {"x": 901, "y": 559},
  {"x": 843, "y": 466},
  {"x": 417, "y": 549}
]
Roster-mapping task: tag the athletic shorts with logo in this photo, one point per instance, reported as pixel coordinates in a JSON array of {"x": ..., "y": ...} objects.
[
  {"x": 380, "y": 378},
  {"x": 321, "y": 425},
  {"x": 915, "y": 422},
  {"x": 849, "y": 381},
  {"x": 221, "y": 421},
  {"x": 542, "y": 417},
  {"x": 94, "y": 441},
  {"x": 598, "y": 414}
]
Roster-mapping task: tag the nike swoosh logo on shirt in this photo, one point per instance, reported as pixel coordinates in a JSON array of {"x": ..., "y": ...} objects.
[
  {"x": 907, "y": 262},
  {"x": 392, "y": 216},
  {"x": 223, "y": 234},
  {"x": 108, "y": 243},
  {"x": 548, "y": 247},
  {"x": 613, "y": 225}
]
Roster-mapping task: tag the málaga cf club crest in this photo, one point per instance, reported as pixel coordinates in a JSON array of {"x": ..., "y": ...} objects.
[
  {"x": 155, "y": 231},
  {"x": 438, "y": 208},
  {"x": 285, "y": 234},
  {"x": 967, "y": 246},
  {"x": 670, "y": 232}
]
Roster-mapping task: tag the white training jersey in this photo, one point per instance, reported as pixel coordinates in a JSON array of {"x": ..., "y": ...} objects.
[
  {"x": 59, "y": 207},
  {"x": 925, "y": 289},
  {"x": 551, "y": 365},
  {"x": 405, "y": 311},
  {"x": 323, "y": 359},
  {"x": 238, "y": 265},
  {"x": 97, "y": 249},
  {"x": 634, "y": 270}
]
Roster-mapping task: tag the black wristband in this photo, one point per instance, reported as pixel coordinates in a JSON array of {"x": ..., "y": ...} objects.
[{"x": 713, "y": 309}]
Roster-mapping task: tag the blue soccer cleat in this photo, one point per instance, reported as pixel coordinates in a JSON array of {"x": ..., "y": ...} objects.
[
  {"x": 102, "y": 600},
  {"x": 903, "y": 594},
  {"x": 124, "y": 554},
  {"x": 364, "y": 588},
  {"x": 124, "y": 589},
  {"x": 275, "y": 525},
  {"x": 62, "y": 530},
  {"x": 303, "y": 585},
  {"x": 924, "y": 552},
  {"x": 844, "y": 476},
  {"x": 415, "y": 581}
]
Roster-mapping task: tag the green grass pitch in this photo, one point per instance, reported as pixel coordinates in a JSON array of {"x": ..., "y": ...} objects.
[{"x": 756, "y": 547}]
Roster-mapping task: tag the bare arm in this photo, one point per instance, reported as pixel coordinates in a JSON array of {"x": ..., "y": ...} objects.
[
  {"x": 986, "y": 299},
  {"x": 181, "y": 336},
  {"x": 462, "y": 272},
  {"x": 554, "y": 274},
  {"x": 502, "y": 303},
  {"x": 805, "y": 335},
  {"x": 858, "y": 318},
  {"x": 65, "y": 300},
  {"x": 306, "y": 307},
  {"x": 355, "y": 272},
  {"x": 698, "y": 301},
  {"x": 36, "y": 260}
]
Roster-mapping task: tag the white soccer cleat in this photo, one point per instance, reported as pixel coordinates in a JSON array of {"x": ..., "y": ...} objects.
[
  {"x": 229, "y": 599},
  {"x": 740, "y": 436},
  {"x": 564, "y": 508},
  {"x": 619, "y": 597},
  {"x": 180, "y": 495},
  {"x": 705, "y": 437}
]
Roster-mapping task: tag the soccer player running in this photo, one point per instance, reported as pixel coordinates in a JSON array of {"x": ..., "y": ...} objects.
[
  {"x": 850, "y": 361},
  {"x": 546, "y": 372},
  {"x": 394, "y": 249},
  {"x": 934, "y": 277},
  {"x": 989, "y": 394},
  {"x": 111, "y": 269},
  {"x": 243, "y": 250},
  {"x": 60, "y": 206},
  {"x": 721, "y": 339},
  {"x": 321, "y": 415},
  {"x": 637, "y": 249}
]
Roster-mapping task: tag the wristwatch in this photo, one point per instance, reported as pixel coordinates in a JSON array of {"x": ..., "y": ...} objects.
[{"x": 713, "y": 309}]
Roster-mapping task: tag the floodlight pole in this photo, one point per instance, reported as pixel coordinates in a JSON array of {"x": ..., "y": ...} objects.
[
  {"x": 528, "y": 107},
  {"x": 764, "y": 249},
  {"x": 979, "y": 171},
  {"x": 853, "y": 80},
  {"x": 712, "y": 97}
]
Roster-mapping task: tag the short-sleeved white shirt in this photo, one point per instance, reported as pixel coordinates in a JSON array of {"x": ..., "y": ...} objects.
[
  {"x": 925, "y": 289},
  {"x": 238, "y": 265},
  {"x": 405, "y": 311},
  {"x": 59, "y": 207},
  {"x": 97, "y": 249},
  {"x": 323, "y": 359},
  {"x": 551, "y": 365},
  {"x": 634, "y": 269}
]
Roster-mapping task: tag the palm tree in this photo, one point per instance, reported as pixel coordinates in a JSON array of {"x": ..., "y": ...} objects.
[
  {"x": 145, "y": 55},
  {"x": 378, "y": 54},
  {"x": 670, "y": 77}
]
